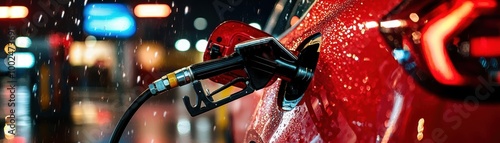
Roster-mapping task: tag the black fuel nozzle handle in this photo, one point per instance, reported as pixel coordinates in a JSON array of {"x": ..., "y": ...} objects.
[{"x": 265, "y": 59}]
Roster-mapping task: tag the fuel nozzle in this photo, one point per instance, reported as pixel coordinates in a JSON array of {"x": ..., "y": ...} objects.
[
  {"x": 262, "y": 59},
  {"x": 251, "y": 65}
]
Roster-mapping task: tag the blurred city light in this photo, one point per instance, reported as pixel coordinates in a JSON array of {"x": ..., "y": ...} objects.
[
  {"x": 13, "y": 12},
  {"x": 183, "y": 126},
  {"x": 294, "y": 20},
  {"x": 200, "y": 23},
  {"x": 18, "y": 12},
  {"x": 108, "y": 20},
  {"x": 22, "y": 60},
  {"x": 151, "y": 54},
  {"x": 90, "y": 41},
  {"x": 152, "y": 10},
  {"x": 84, "y": 113},
  {"x": 4, "y": 12},
  {"x": 256, "y": 25},
  {"x": 102, "y": 52},
  {"x": 23, "y": 42},
  {"x": 9, "y": 48},
  {"x": 60, "y": 39},
  {"x": 201, "y": 45},
  {"x": 182, "y": 45}
]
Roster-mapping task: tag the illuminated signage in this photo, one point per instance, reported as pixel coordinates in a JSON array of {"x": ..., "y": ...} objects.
[{"x": 108, "y": 20}]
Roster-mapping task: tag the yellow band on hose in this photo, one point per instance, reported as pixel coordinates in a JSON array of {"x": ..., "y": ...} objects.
[{"x": 172, "y": 80}]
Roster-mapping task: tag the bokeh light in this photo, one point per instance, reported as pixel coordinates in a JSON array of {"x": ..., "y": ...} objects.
[
  {"x": 152, "y": 10},
  {"x": 182, "y": 45},
  {"x": 201, "y": 45},
  {"x": 23, "y": 42},
  {"x": 200, "y": 23}
]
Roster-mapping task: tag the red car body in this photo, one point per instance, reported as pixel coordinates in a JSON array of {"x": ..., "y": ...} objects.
[{"x": 361, "y": 93}]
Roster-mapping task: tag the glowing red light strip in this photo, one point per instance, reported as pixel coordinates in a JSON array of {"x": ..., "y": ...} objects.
[
  {"x": 485, "y": 46},
  {"x": 440, "y": 30}
]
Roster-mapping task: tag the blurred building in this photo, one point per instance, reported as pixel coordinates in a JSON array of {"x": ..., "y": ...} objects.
[{"x": 81, "y": 63}]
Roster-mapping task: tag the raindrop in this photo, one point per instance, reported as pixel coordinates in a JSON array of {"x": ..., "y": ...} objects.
[
  {"x": 40, "y": 17},
  {"x": 154, "y": 113},
  {"x": 138, "y": 79},
  {"x": 165, "y": 114},
  {"x": 35, "y": 88}
]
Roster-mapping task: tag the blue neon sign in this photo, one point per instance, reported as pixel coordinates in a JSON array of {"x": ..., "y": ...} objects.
[{"x": 108, "y": 20}]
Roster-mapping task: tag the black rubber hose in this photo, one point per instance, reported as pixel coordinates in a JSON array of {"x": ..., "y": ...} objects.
[{"x": 120, "y": 127}]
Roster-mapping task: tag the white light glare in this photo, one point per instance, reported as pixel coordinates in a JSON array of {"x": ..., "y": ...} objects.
[
  {"x": 21, "y": 60},
  {"x": 256, "y": 25},
  {"x": 182, "y": 45},
  {"x": 201, "y": 45},
  {"x": 23, "y": 42},
  {"x": 183, "y": 126}
]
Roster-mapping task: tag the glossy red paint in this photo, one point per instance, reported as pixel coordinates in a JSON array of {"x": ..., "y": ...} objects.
[
  {"x": 360, "y": 93},
  {"x": 224, "y": 38}
]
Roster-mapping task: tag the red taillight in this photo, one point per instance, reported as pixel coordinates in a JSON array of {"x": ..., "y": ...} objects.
[
  {"x": 444, "y": 44},
  {"x": 441, "y": 29},
  {"x": 483, "y": 46}
]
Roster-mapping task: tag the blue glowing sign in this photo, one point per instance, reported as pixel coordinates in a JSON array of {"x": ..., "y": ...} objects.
[{"x": 108, "y": 20}]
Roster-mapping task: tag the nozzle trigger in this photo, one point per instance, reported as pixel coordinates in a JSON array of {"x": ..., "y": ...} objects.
[{"x": 208, "y": 101}]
